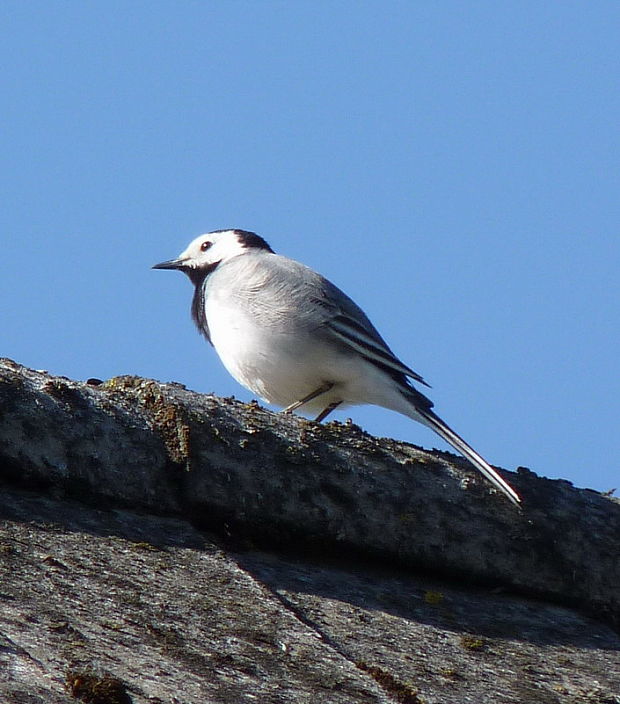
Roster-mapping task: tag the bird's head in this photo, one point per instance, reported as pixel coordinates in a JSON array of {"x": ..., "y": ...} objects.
[{"x": 206, "y": 252}]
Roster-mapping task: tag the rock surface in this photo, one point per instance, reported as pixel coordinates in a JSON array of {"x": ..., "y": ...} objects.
[{"x": 158, "y": 545}]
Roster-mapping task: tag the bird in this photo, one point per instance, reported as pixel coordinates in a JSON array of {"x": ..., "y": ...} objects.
[{"x": 296, "y": 340}]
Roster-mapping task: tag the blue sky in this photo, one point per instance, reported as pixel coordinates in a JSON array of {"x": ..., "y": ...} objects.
[{"x": 454, "y": 167}]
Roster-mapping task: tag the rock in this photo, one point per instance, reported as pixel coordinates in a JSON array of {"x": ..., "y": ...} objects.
[{"x": 158, "y": 545}]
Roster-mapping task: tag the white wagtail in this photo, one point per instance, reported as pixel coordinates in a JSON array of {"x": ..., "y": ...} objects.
[{"x": 292, "y": 337}]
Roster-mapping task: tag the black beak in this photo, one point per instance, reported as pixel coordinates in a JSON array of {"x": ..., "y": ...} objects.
[{"x": 171, "y": 264}]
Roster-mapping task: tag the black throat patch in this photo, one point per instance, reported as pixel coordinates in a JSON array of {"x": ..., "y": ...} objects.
[
  {"x": 198, "y": 276},
  {"x": 199, "y": 279},
  {"x": 198, "y": 310}
]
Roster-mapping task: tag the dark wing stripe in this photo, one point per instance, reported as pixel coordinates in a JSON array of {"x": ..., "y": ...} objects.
[
  {"x": 368, "y": 348},
  {"x": 355, "y": 335}
]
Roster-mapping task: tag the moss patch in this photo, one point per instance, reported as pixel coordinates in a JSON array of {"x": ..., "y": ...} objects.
[
  {"x": 96, "y": 688},
  {"x": 167, "y": 418},
  {"x": 402, "y": 692}
]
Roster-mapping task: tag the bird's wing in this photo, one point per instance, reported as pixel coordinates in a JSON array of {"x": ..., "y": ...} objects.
[
  {"x": 348, "y": 322},
  {"x": 318, "y": 305}
]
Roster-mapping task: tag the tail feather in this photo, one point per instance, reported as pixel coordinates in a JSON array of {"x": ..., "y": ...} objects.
[{"x": 435, "y": 423}]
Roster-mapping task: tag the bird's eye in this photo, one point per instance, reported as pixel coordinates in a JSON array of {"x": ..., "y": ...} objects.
[{"x": 205, "y": 245}]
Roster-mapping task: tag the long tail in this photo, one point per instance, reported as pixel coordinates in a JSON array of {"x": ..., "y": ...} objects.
[{"x": 427, "y": 416}]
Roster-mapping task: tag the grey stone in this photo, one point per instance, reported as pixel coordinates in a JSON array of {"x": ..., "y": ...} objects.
[{"x": 158, "y": 545}]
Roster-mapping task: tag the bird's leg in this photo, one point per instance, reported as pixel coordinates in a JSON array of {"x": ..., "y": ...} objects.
[
  {"x": 327, "y": 410},
  {"x": 317, "y": 392}
]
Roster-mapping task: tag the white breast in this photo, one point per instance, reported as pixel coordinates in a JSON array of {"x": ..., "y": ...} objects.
[{"x": 266, "y": 360}]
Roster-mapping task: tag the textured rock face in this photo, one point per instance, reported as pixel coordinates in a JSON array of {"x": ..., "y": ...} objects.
[{"x": 158, "y": 545}]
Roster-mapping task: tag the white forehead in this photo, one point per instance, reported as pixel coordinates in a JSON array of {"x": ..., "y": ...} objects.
[{"x": 227, "y": 242}]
